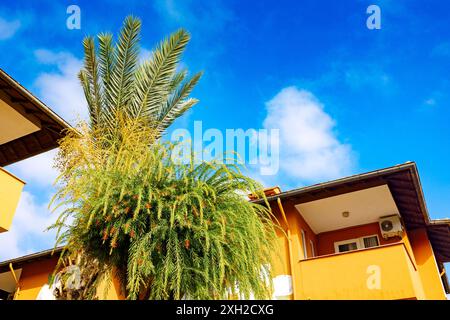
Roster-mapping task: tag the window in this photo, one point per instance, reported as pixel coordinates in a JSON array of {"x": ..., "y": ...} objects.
[
  {"x": 355, "y": 244},
  {"x": 303, "y": 244},
  {"x": 347, "y": 245},
  {"x": 313, "y": 251},
  {"x": 370, "y": 242}
]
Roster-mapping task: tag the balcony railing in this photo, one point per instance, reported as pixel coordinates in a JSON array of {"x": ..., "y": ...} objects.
[
  {"x": 10, "y": 190},
  {"x": 384, "y": 272}
]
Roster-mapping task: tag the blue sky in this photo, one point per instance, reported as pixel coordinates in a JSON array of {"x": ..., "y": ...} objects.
[{"x": 365, "y": 99}]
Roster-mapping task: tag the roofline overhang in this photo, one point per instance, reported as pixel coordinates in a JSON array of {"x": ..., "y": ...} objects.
[
  {"x": 341, "y": 181},
  {"x": 52, "y": 127},
  {"x": 33, "y": 99},
  {"x": 18, "y": 263},
  {"x": 410, "y": 166}
]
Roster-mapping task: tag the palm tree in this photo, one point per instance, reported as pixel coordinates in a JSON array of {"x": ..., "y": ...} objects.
[
  {"x": 167, "y": 230},
  {"x": 155, "y": 90}
]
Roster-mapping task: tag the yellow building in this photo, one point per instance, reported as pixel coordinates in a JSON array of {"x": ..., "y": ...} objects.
[
  {"x": 27, "y": 128},
  {"x": 367, "y": 236}
]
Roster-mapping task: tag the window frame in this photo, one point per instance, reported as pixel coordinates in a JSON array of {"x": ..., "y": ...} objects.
[
  {"x": 313, "y": 248},
  {"x": 371, "y": 236},
  {"x": 359, "y": 243},
  {"x": 304, "y": 249},
  {"x": 348, "y": 241}
]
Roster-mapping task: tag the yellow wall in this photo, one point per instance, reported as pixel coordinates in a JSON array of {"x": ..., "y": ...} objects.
[
  {"x": 35, "y": 275},
  {"x": 384, "y": 272},
  {"x": 113, "y": 290},
  {"x": 10, "y": 190}
]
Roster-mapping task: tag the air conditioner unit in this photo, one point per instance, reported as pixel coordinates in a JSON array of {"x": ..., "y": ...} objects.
[{"x": 391, "y": 226}]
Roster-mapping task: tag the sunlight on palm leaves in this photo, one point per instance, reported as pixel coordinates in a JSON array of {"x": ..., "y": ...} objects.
[{"x": 113, "y": 79}]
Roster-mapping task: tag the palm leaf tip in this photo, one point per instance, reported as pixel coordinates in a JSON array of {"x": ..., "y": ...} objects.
[
  {"x": 126, "y": 59},
  {"x": 115, "y": 82}
]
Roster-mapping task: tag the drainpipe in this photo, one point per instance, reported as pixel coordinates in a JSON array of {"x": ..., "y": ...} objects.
[
  {"x": 291, "y": 259},
  {"x": 16, "y": 293}
]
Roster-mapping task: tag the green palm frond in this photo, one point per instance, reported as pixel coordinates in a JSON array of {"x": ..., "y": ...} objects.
[
  {"x": 125, "y": 61},
  {"x": 177, "y": 104},
  {"x": 106, "y": 57},
  {"x": 90, "y": 80},
  {"x": 116, "y": 82},
  {"x": 86, "y": 85},
  {"x": 106, "y": 65},
  {"x": 177, "y": 79},
  {"x": 156, "y": 75},
  {"x": 169, "y": 117}
]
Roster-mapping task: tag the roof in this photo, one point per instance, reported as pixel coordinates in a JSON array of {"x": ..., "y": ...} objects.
[
  {"x": 267, "y": 191},
  {"x": 404, "y": 183},
  {"x": 18, "y": 262},
  {"x": 43, "y": 140}
]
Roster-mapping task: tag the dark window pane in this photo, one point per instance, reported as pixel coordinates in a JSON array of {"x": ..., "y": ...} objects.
[
  {"x": 347, "y": 247},
  {"x": 370, "y": 242}
]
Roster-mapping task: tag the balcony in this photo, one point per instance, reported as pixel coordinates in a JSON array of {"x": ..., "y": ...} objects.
[
  {"x": 10, "y": 190},
  {"x": 384, "y": 272}
]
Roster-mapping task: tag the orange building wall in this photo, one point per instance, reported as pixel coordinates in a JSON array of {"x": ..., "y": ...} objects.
[
  {"x": 281, "y": 261},
  {"x": 34, "y": 276},
  {"x": 426, "y": 264},
  {"x": 297, "y": 223},
  {"x": 289, "y": 250}
]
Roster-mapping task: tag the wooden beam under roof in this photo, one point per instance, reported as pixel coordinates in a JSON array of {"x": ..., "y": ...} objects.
[{"x": 52, "y": 126}]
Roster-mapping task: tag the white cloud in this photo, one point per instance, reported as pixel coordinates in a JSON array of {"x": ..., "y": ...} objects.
[
  {"x": 61, "y": 89},
  {"x": 27, "y": 231},
  {"x": 8, "y": 28},
  {"x": 309, "y": 148},
  {"x": 9, "y": 242},
  {"x": 36, "y": 170}
]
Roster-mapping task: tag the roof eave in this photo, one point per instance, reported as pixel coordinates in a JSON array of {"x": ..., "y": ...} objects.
[{"x": 33, "y": 99}]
